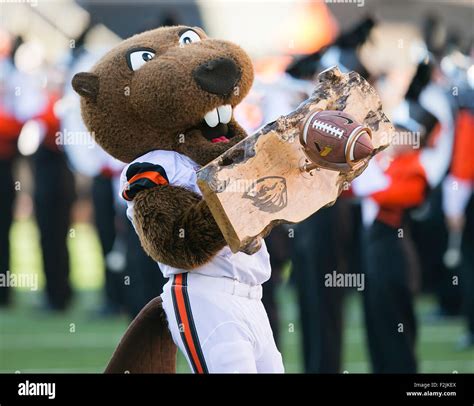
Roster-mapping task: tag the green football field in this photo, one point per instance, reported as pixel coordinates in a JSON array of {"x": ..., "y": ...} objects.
[{"x": 31, "y": 341}]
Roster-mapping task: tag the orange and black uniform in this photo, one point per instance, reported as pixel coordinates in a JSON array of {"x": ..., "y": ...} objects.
[
  {"x": 325, "y": 242},
  {"x": 407, "y": 189},
  {"x": 388, "y": 298},
  {"x": 53, "y": 197},
  {"x": 10, "y": 129},
  {"x": 462, "y": 169},
  {"x": 462, "y": 165}
]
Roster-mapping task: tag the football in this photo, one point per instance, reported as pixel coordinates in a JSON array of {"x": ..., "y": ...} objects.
[{"x": 335, "y": 140}]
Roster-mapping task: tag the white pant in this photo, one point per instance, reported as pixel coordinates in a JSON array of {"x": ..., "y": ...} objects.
[{"x": 220, "y": 325}]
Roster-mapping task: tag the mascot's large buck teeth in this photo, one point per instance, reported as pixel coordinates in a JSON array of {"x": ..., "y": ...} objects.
[
  {"x": 212, "y": 118},
  {"x": 225, "y": 113},
  {"x": 222, "y": 114}
]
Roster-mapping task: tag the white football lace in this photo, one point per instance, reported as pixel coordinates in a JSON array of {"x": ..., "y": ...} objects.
[{"x": 327, "y": 128}]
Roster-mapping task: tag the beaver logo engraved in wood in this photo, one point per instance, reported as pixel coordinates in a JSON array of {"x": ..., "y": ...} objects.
[{"x": 269, "y": 194}]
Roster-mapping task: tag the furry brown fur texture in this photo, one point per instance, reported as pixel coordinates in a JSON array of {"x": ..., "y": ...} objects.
[
  {"x": 185, "y": 240},
  {"x": 161, "y": 106}
]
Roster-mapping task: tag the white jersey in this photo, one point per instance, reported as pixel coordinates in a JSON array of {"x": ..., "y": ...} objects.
[
  {"x": 436, "y": 159},
  {"x": 181, "y": 171},
  {"x": 372, "y": 180}
]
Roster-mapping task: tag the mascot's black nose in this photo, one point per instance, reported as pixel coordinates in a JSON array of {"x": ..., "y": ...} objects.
[{"x": 218, "y": 76}]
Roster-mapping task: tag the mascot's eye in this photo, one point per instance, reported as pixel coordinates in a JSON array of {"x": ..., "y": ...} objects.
[
  {"x": 136, "y": 59},
  {"x": 189, "y": 37}
]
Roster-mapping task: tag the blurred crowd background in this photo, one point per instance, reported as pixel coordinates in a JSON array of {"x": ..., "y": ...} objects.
[{"x": 73, "y": 273}]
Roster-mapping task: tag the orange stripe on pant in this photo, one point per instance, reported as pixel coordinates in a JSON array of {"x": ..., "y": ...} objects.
[{"x": 185, "y": 329}]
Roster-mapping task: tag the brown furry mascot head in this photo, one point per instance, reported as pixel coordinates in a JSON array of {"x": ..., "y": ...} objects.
[
  {"x": 172, "y": 89},
  {"x": 153, "y": 90}
]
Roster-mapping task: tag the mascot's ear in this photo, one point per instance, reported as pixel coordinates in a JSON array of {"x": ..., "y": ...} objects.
[{"x": 86, "y": 84}]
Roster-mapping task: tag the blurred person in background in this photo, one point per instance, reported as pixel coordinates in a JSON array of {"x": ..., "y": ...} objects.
[
  {"x": 89, "y": 159},
  {"x": 395, "y": 181},
  {"x": 26, "y": 102},
  {"x": 458, "y": 203},
  {"x": 328, "y": 240},
  {"x": 54, "y": 195},
  {"x": 458, "y": 206},
  {"x": 429, "y": 231},
  {"x": 10, "y": 128},
  {"x": 111, "y": 230}
]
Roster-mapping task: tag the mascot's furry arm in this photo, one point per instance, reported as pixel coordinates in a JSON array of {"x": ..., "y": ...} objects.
[{"x": 176, "y": 227}]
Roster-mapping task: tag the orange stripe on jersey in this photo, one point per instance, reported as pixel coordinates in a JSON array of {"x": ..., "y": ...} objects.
[
  {"x": 155, "y": 177},
  {"x": 187, "y": 328},
  {"x": 406, "y": 189},
  {"x": 462, "y": 165},
  {"x": 407, "y": 183}
]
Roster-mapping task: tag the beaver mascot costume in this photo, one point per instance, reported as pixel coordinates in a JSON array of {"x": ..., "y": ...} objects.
[{"x": 162, "y": 101}]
